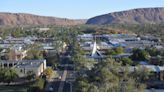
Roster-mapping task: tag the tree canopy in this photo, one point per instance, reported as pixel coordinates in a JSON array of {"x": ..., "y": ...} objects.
[{"x": 107, "y": 76}]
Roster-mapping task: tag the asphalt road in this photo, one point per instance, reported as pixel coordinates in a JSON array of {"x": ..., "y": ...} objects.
[
  {"x": 63, "y": 79},
  {"x": 64, "y": 84},
  {"x": 56, "y": 84}
]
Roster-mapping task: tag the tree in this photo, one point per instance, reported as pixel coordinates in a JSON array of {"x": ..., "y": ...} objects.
[
  {"x": 81, "y": 84},
  {"x": 141, "y": 74},
  {"x": 77, "y": 55},
  {"x": 115, "y": 51},
  {"x": 10, "y": 75},
  {"x": 161, "y": 62},
  {"x": 2, "y": 75},
  {"x": 108, "y": 76},
  {"x": 139, "y": 54},
  {"x": 93, "y": 88},
  {"x": 34, "y": 52},
  {"x": 126, "y": 61},
  {"x": 34, "y": 89},
  {"x": 131, "y": 86},
  {"x": 48, "y": 72},
  {"x": 38, "y": 86},
  {"x": 30, "y": 75},
  {"x": 119, "y": 50},
  {"x": 111, "y": 52},
  {"x": 152, "y": 51}
]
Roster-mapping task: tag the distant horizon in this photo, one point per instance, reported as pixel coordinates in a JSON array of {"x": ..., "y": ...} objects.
[
  {"x": 72, "y": 18},
  {"x": 82, "y": 9}
]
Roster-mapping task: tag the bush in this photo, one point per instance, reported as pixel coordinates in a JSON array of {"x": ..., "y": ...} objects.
[
  {"x": 126, "y": 61},
  {"x": 34, "y": 89},
  {"x": 8, "y": 75},
  {"x": 38, "y": 86}
]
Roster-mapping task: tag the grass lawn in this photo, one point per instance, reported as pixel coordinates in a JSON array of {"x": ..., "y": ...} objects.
[
  {"x": 24, "y": 87},
  {"x": 18, "y": 88}
]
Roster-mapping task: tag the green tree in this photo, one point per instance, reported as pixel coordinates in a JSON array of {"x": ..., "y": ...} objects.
[
  {"x": 126, "y": 61},
  {"x": 10, "y": 75},
  {"x": 141, "y": 74},
  {"x": 38, "y": 86},
  {"x": 2, "y": 71},
  {"x": 81, "y": 84},
  {"x": 48, "y": 72},
  {"x": 115, "y": 51},
  {"x": 131, "y": 86},
  {"x": 119, "y": 50},
  {"x": 34, "y": 52},
  {"x": 152, "y": 51},
  {"x": 161, "y": 62},
  {"x": 30, "y": 75},
  {"x": 139, "y": 54},
  {"x": 108, "y": 76},
  {"x": 111, "y": 52}
]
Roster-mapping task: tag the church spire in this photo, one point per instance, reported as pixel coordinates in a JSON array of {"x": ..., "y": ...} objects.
[{"x": 94, "y": 50}]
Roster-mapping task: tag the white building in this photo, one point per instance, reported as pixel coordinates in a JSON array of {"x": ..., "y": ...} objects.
[{"x": 23, "y": 66}]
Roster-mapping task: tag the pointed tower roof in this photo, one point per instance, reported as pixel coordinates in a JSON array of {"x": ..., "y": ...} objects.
[{"x": 94, "y": 50}]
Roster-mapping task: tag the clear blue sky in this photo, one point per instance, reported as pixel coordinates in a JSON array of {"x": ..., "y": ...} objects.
[{"x": 76, "y": 9}]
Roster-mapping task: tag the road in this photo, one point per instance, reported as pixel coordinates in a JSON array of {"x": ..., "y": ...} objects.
[
  {"x": 65, "y": 84},
  {"x": 67, "y": 75},
  {"x": 53, "y": 80},
  {"x": 63, "y": 79}
]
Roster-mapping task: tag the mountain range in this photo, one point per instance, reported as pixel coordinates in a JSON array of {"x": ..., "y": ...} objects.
[
  {"x": 134, "y": 16},
  {"x": 30, "y": 19}
]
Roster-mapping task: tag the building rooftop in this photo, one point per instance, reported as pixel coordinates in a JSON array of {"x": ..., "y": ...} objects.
[
  {"x": 152, "y": 68},
  {"x": 24, "y": 63},
  {"x": 28, "y": 64}
]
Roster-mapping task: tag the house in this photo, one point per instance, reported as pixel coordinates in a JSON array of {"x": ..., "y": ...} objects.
[
  {"x": 43, "y": 29},
  {"x": 155, "y": 59},
  {"x": 17, "y": 53},
  {"x": 23, "y": 66},
  {"x": 85, "y": 37},
  {"x": 123, "y": 55},
  {"x": 157, "y": 70},
  {"x": 37, "y": 66},
  {"x": 51, "y": 46}
]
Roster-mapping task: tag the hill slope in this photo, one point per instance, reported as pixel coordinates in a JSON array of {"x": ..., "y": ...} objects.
[
  {"x": 29, "y": 19},
  {"x": 135, "y": 16}
]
